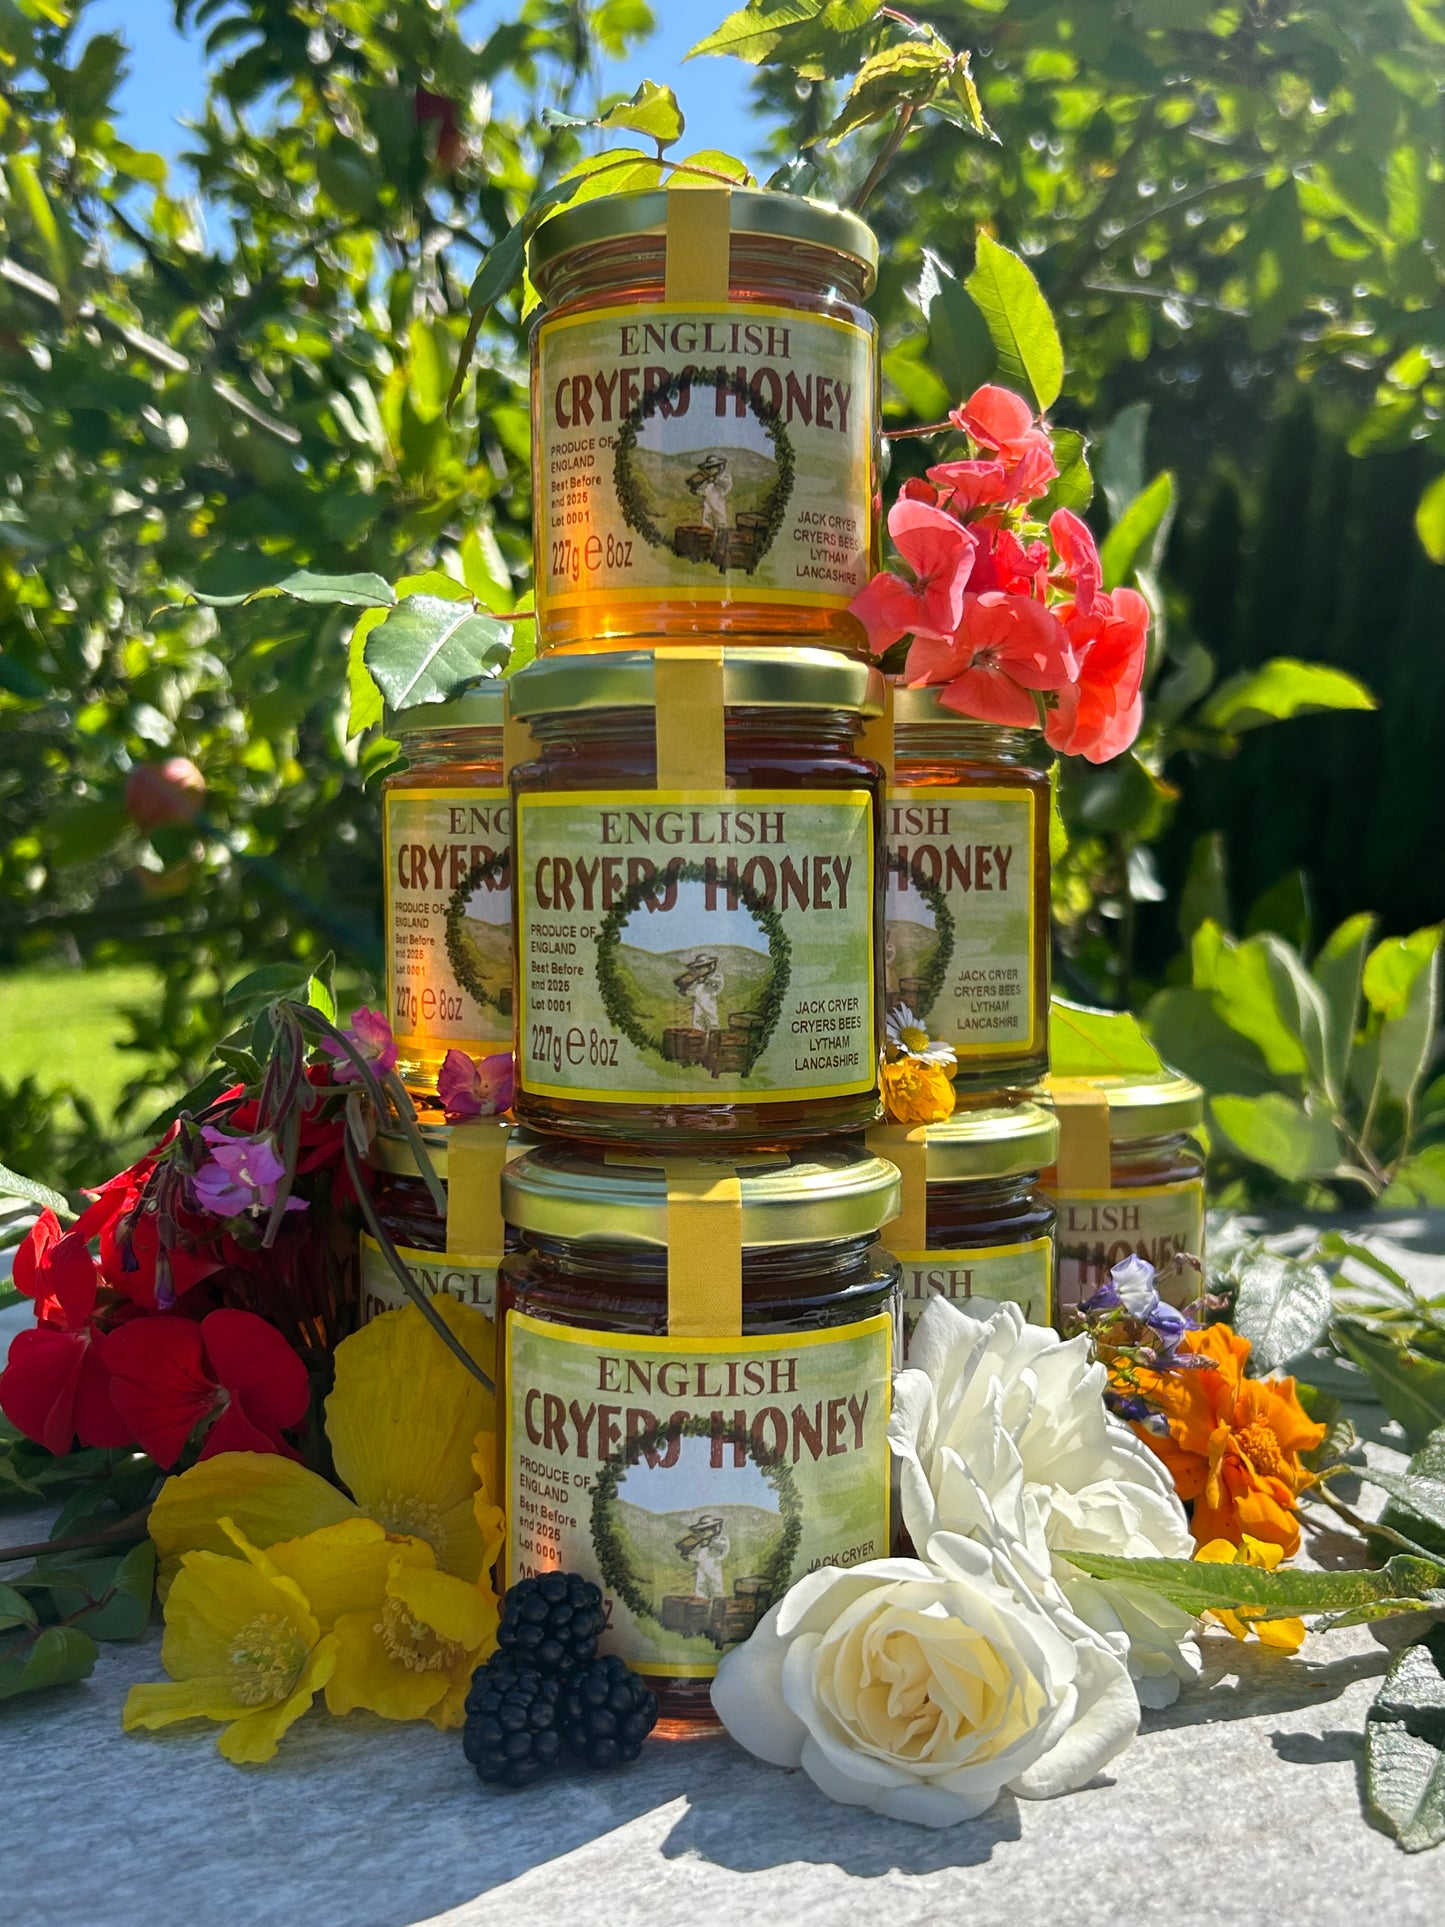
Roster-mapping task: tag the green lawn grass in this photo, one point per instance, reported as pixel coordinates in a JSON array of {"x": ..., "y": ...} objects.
[{"x": 62, "y": 1027}]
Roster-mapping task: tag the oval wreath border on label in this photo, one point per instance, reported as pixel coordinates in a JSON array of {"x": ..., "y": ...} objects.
[{"x": 495, "y": 866}]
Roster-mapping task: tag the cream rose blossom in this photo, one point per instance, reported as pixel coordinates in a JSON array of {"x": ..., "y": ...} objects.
[
  {"x": 924, "y": 1690},
  {"x": 987, "y": 1400}
]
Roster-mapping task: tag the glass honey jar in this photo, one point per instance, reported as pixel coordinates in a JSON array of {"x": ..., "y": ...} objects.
[
  {"x": 1129, "y": 1181},
  {"x": 695, "y": 1379},
  {"x": 697, "y": 927},
  {"x": 705, "y": 418},
  {"x": 975, "y": 1222},
  {"x": 446, "y": 833},
  {"x": 408, "y": 1213},
  {"x": 966, "y": 943}
]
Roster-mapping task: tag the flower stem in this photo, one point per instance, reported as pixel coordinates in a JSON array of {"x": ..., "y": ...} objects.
[{"x": 131, "y": 1527}]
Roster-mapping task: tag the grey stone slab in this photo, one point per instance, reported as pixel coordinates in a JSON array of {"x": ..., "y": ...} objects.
[{"x": 1238, "y": 1807}]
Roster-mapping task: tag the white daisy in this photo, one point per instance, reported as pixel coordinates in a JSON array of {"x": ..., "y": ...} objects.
[{"x": 907, "y": 1037}]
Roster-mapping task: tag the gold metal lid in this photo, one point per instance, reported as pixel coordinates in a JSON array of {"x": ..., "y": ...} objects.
[
  {"x": 787, "y": 217},
  {"x": 391, "y": 1151},
  {"x": 620, "y": 1198},
  {"x": 479, "y": 707},
  {"x": 1157, "y": 1104},
  {"x": 992, "y": 1141},
  {"x": 754, "y": 678}
]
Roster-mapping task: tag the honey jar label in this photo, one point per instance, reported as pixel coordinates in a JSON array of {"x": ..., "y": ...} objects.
[
  {"x": 1099, "y": 1229},
  {"x": 694, "y": 1479},
  {"x": 449, "y": 919},
  {"x": 718, "y": 454},
  {"x": 697, "y": 946},
  {"x": 471, "y": 1281},
  {"x": 1018, "y": 1274},
  {"x": 961, "y": 928}
]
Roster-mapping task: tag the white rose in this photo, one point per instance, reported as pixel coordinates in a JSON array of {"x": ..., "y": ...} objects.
[
  {"x": 923, "y": 1691},
  {"x": 987, "y": 1399}
]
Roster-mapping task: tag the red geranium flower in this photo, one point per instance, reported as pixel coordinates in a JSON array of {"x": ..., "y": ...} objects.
[
  {"x": 56, "y": 1388},
  {"x": 1008, "y": 565},
  {"x": 1074, "y": 544},
  {"x": 996, "y": 418},
  {"x": 939, "y": 550},
  {"x": 970, "y": 485},
  {"x": 170, "y": 1373},
  {"x": 1006, "y": 646},
  {"x": 1098, "y": 717}
]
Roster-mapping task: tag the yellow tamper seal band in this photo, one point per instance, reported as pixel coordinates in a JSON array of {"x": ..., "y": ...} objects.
[
  {"x": 905, "y": 1145},
  {"x": 476, "y": 1153},
  {"x": 704, "y": 1251},
  {"x": 691, "y": 743},
  {"x": 876, "y": 737},
  {"x": 518, "y": 743},
  {"x": 699, "y": 245},
  {"x": 1083, "y": 1114}
]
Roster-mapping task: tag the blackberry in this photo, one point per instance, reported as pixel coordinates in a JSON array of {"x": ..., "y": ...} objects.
[
  {"x": 511, "y": 1732},
  {"x": 605, "y": 1712},
  {"x": 552, "y": 1622}
]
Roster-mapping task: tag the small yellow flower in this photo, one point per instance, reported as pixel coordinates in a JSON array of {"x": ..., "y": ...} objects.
[
  {"x": 241, "y": 1645},
  {"x": 1283, "y": 1635},
  {"x": 916, "y": 1092},
  {"x": 411, "y": 1655}
]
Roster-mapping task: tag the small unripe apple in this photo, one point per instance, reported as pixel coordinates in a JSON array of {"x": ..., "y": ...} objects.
[{"x": 157, "y": 794}]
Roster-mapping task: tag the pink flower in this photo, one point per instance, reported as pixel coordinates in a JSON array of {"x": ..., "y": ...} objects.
[
  {"x": 471, "y": 1089},
  {"x": 241, "y": 1177},
  {"x": 1006, "y": 564},
  {"x": 1098, "y": 716},
  {"x": 1029, "y": 477},
  {"x": 939, "y": 550},
  {"x": 970, "y": 485},
  {"x": 996, "y": 418},
  {"x": 1006, "y": 646},
  {"x": 371, "y": 1034},
  {"x": 1078, "y": 557}
]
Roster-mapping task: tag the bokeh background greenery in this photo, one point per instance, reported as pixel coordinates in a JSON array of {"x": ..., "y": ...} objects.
[{"x": 216, "y": 372}]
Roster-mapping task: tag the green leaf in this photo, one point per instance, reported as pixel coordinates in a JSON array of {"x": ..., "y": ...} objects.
[
  {"x": 361, "y": 591},
  {"x": 1338, "y": 971},
  {"x": 428, "y": 646},
  {"x": 1409, "y": 1384},
  {"x": 1205, "y": 896},
  {"x": 1278, "y": 690},
  {"x": 910, "y": 71},
  {"x": 59, "y": 1657},
  {"x": 1422, "y": 1497},
  {"x": 1187, "y": 1030},
  {"x": 1121, "y": 457},
  {"x": 959, "y": 342},
  {"x": 1030, "y": 354},
  {"x": 817, "y": 38},
  {"x": 15, "y": 1609},
  {"x": 1073, "y": 486},
  {"x": 13, "y": 1185},
  {"x": 111, "y": 1598},
  {"x": 1089, "y": 1043},
  {"x": 1401, "y": 983},
  {"x": 1275, "y": 1131},
  {"x": 1405, "y": 1751},
  {"x": 29, "y": 193},
  {"x": 1281, "y": 1305},
  {"x": 1283, "y": 910},
  {"x": 1139, "y": 534},
  {"x": 1262, "y": 990},
  {"x": 1418, "y": 1180},
  {"x": 365, "y": 708},
  {"x": 652, "y": 111},
  {"x": 269, "y": 982},
  {"x": 1430, "y": 520},
  {"x": 1199, "y": 1585}
]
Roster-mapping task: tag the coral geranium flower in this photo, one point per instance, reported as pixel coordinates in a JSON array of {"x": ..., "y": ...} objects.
[
  {"x": 940, "y": 552},
  {"x": 404, "y": 1422},
  {"x": 1098, "y": 716},
  {"x": 241, "y": 1645},
  {"x": 1234, "y": 1443},
  {"x": 1005, "y": 646}
]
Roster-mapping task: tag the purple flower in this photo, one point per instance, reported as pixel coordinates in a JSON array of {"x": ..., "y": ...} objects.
[
  {"x": 1105, "y": 1299},
  {"x": 241, "y": 1176},
  {"x": 471, "y": 1089},
  {"x": 1168, "y": 1323},
  {"x": 370, "y": 1034},
  {"x": 1133, "y": 1280}
]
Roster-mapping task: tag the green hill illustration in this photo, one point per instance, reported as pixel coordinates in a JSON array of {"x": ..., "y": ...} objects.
[
  {"x": 481, "y": 957},
  {"x": 671, "y": 503},
  {"x": 649, "y": 980},
  {"x": 651, "y": 1541},
  {"x": 913, "y": 944}
]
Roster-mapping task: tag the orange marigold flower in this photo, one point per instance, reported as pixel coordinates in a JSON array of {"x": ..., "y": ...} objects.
[
  {"x": 916, "y": 1092},
  {"x": 1234, "y": 1443}
]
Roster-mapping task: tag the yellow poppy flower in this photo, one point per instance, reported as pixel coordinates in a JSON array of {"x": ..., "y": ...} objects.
[
  {"x": 408, "y": 1426},
  {"x": 344, "y": 1568},
  {"x": 1283, "y": 1635},
  {"x": 413, "y": 1657},
  {"x": 916, "y": 1092},
  {"x": 403, "y": 1422},
  {"x": 241, "y": 1645}
]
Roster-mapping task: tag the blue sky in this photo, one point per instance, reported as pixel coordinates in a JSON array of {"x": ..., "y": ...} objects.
[{"x": 167, "y": 75}]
